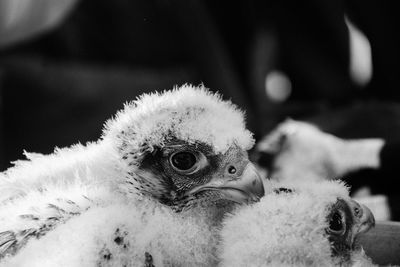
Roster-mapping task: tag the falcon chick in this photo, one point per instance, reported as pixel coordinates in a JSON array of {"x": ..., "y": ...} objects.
[
  {"x": 314, "y": 224},
  {"x": 181, "y": 150}
]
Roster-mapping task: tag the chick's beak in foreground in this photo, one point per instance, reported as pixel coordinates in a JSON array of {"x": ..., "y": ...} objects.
[
  {"x": 248, "y": 187},
  {"x": 367, "y": 220},
  {"x": 364, "y": 220}
]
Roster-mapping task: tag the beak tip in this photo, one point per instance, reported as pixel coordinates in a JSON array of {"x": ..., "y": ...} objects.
[
  {"x": 373, "y": 222},
  {"x": 368, "y": 220},
  {"x": 257, "y": 186}
]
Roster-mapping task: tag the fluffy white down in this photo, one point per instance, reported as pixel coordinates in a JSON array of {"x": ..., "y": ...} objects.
[
  {"x": 86, "y": 240},
  {"x": 94, "y": 163},
  {"x": 285, "y": 229},
  {"x": 192, "y": 113}
]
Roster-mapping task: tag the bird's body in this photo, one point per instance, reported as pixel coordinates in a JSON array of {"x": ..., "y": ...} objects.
[
  {"x": 122, "y": 234},
  {"x": 314, "y": 224},
  {"x": 47, "y": 190},
  {"x": 183, "y": 150}
]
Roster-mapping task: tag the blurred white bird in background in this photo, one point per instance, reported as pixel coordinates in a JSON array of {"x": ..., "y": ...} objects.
[{"x": 298, "y": 150}]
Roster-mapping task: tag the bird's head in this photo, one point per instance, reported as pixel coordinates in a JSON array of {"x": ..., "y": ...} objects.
[
  {"x": 297, "y": 224},
  {"x": 342, "y": 218},
  {"x": 184, "y": 147},
  {"x": 347, "y": 220}
]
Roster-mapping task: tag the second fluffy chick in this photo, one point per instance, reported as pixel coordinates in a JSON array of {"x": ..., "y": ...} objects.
[{"x": 302, "y": 225}]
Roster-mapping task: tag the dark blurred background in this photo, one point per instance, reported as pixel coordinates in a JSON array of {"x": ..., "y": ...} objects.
[{"x": 66, "y": 66}]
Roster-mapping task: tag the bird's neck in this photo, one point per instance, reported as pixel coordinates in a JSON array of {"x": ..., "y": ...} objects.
[{"x": 212, "y": 213}]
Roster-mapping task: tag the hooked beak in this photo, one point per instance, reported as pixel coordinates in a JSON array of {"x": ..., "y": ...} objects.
[
  {"x": 246, "y": 188},
  {"x": 367, "y": 220}
]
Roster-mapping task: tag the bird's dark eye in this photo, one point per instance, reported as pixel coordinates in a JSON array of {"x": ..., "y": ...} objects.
[
  {"x": 183, "y": 161},
  {"x": 336, "y": 223}
]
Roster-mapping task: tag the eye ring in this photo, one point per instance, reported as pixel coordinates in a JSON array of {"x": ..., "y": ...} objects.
[
  {"x": 336, "y": 224},
  {"x": 184, "y": 161}
]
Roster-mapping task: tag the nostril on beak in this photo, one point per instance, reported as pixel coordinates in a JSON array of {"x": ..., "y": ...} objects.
[
  {"x": 264, "y": 159},
  {"x": 358, "y": 212},
  {"x": 231, "y": 169}
]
